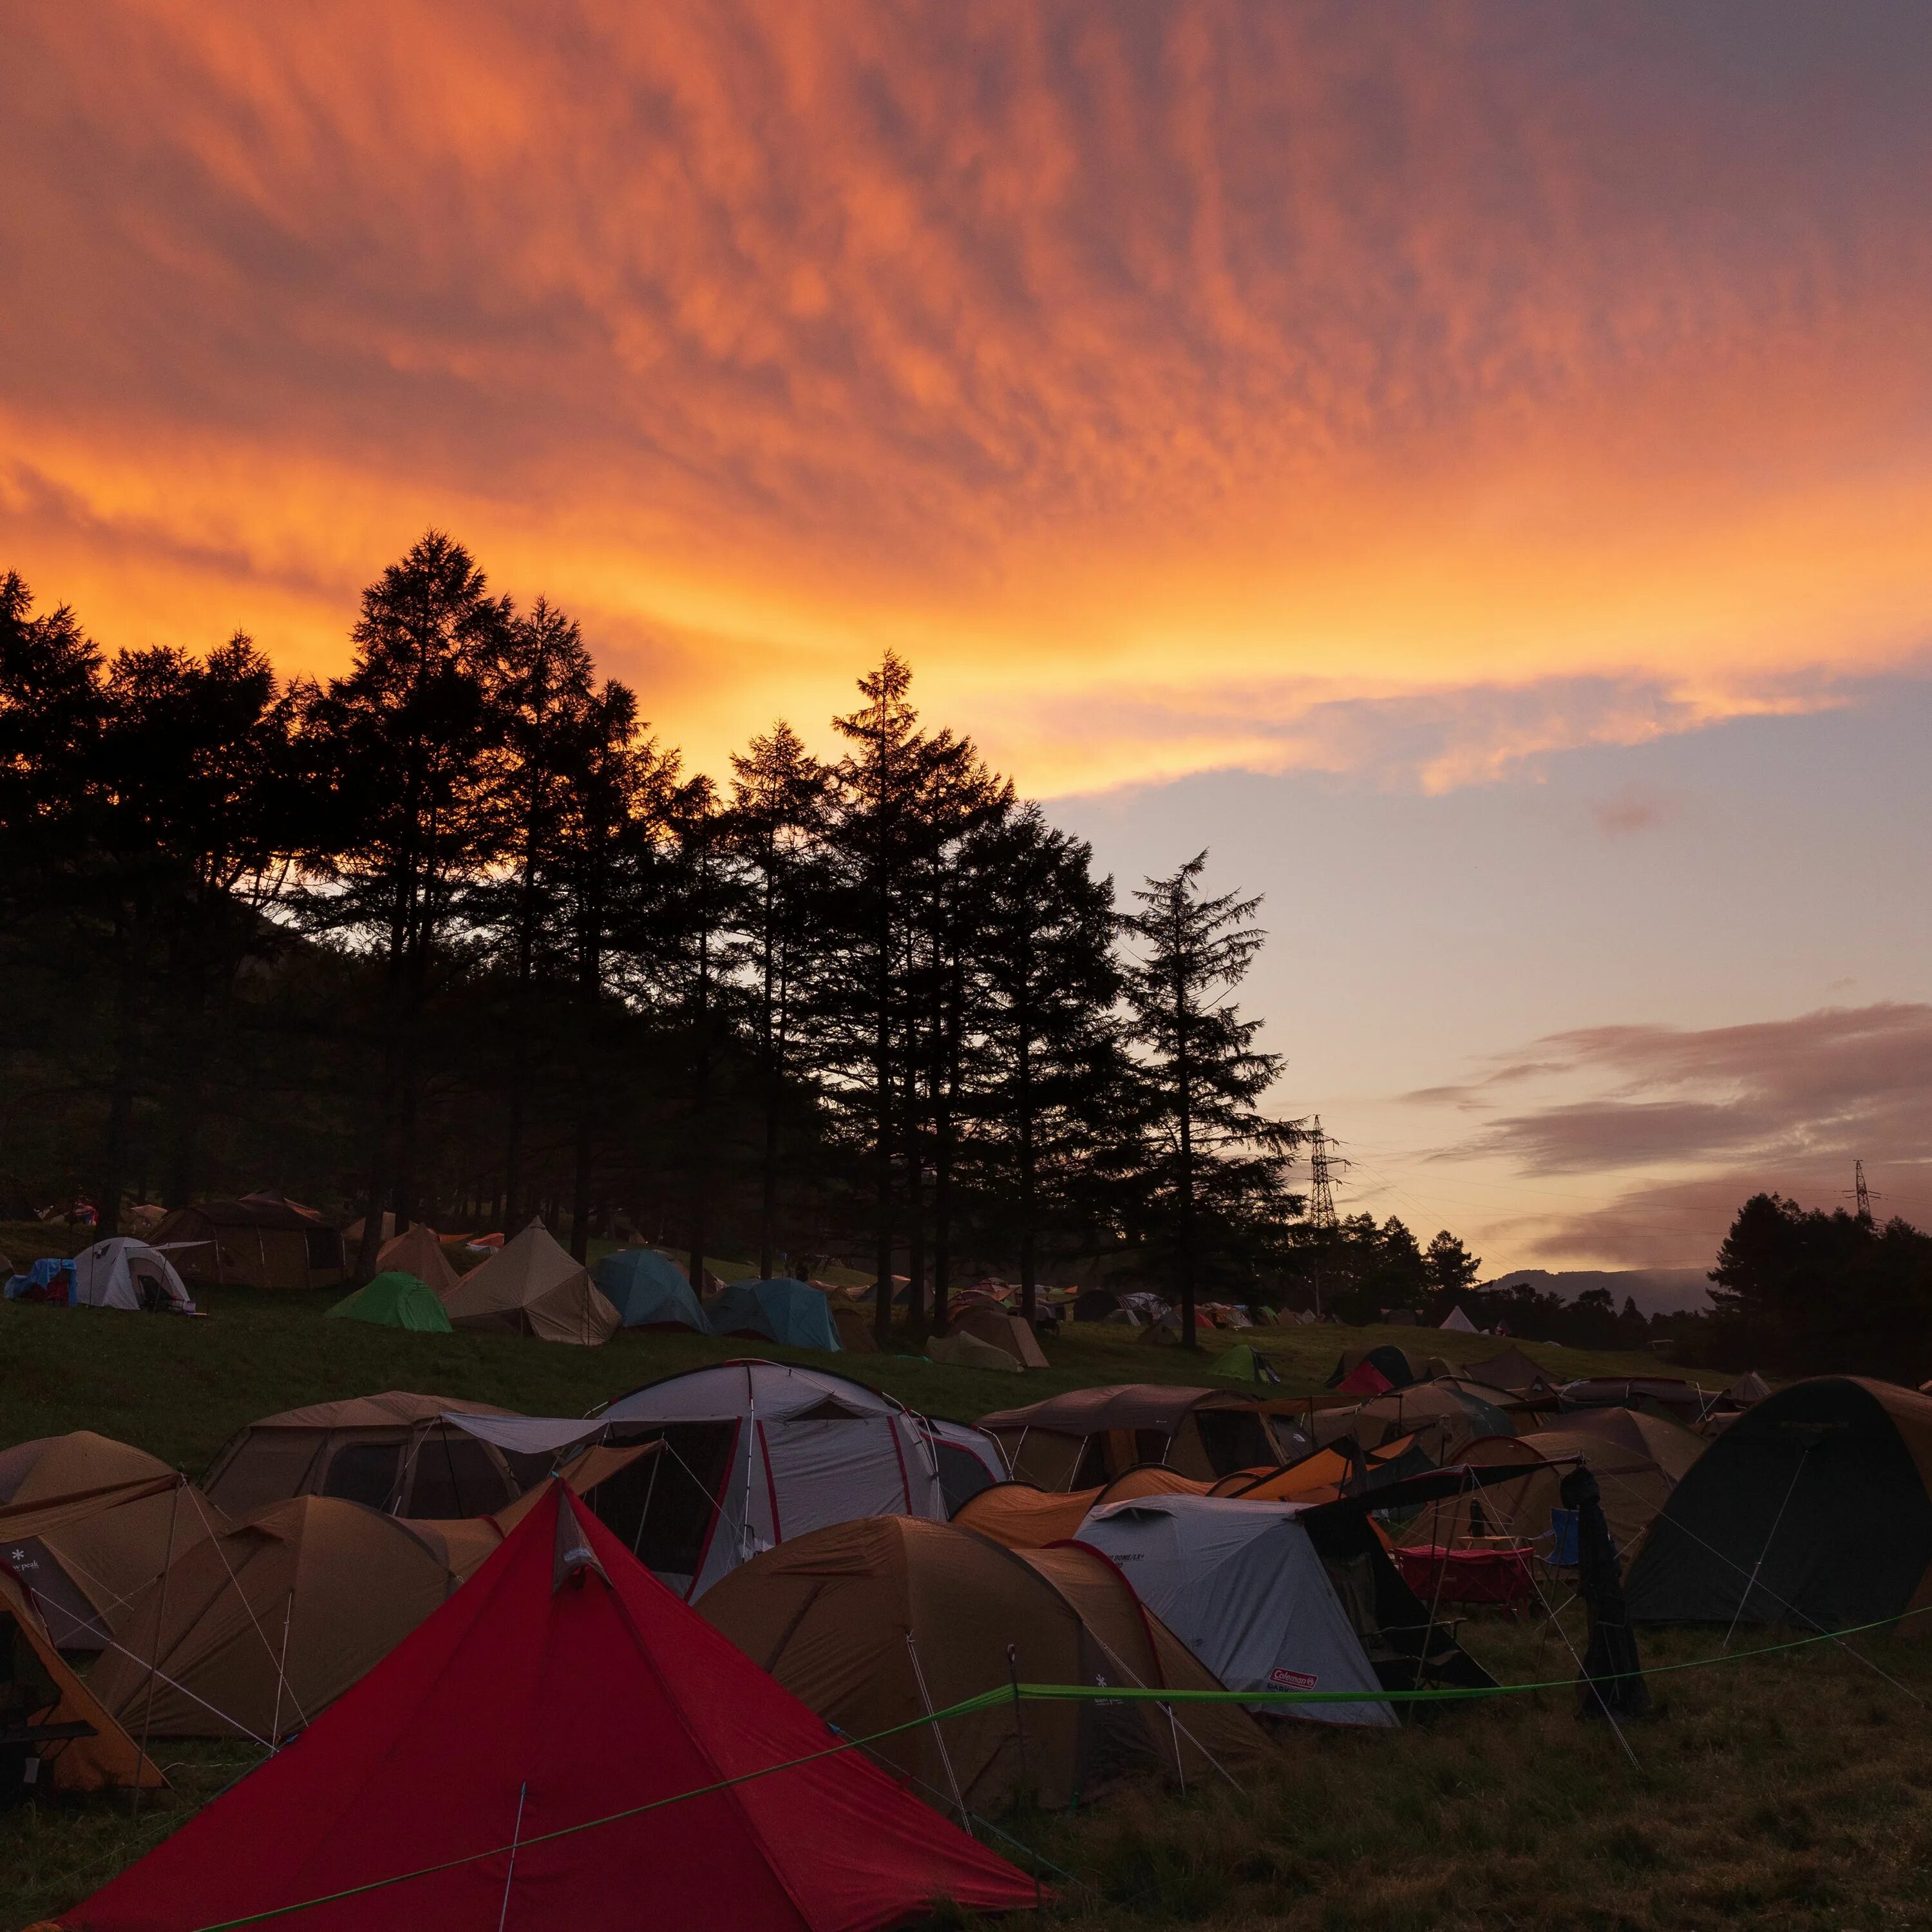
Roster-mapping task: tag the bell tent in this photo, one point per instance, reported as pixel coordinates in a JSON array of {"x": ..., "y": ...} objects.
[
  {"x": 759, "y": 1452},
  {"x": 793, "y": 1313},
  {"x": 393, "y": 1452},
  {"x": 394, "y": 1300},
  {"x": 872, "y": 1624},
  {"x": 416, "y": 1251},
  {"x": 561, "y": 1687},
  {"x": 531, "y": 1287},
  {"x": 649, "y": 1291},
  {"x": 124, "y": 1273}
]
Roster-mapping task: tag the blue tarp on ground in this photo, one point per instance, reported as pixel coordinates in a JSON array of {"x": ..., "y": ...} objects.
[
  {"x": 49, "y": 1280},
  {"x": 790, "y": 1312},
  {"x": 648, "y": 1290}
]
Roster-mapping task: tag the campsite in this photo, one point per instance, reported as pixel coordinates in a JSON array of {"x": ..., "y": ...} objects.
[{"x": 1509, "y": 1809}]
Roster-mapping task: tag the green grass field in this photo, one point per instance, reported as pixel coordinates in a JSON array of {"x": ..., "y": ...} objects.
[{"x": 1792, "y": 1791}]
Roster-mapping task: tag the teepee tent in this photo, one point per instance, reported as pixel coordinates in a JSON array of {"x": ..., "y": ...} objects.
[
  {"x": 1456, "y": 1323},
  {"x": 648, "y": 1290},
  {"x": 395, "y": 1300},
  {"x": 416, "y": 1251},
  {"x": 531, "y": 1287},
  {"x": 561, "y": 1688}
]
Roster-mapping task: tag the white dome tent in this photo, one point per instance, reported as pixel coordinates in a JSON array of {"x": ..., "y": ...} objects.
[{"x": 120, "y": 1272}]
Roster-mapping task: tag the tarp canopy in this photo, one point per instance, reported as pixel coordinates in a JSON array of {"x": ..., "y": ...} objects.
[
  {"x": 124, "y": 1273},
  {"x": 393, "y": 1451},
  {"x": 531, "y": 1286},
  {"x": 86, "y": 1569},
  {"x": 793, "y": 1313},
  {"x": 1810, "y": 1509},
  {"x": 648, "y": 1290},
  {"x": 252, "y": 1633},
  {"x": 560, "y": 1686},
  {"x": 417, "y": 1251},
  {"x": 1242, "y": 1586},
  {"x": 759, "y": 1452},
  {"x": 872, "y": 1624},
  {"x": 38, "y": 1689},
  {"x": 394, "y": 1300}
]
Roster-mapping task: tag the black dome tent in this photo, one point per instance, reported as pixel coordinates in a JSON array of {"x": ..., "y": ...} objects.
[{"x": 1811, "y": 1510}]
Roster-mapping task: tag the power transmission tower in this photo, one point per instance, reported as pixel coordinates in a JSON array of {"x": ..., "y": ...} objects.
[
  {"x": 1321, "y": 1193},
  {"x": 1860, "y": 1193}
]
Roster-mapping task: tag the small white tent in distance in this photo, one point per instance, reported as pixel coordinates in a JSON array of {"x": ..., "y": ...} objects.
[{"x": 120, "y": 1272}]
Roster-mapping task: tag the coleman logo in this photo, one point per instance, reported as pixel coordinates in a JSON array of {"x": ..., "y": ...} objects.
[{"x": 1293, "y": 1680}]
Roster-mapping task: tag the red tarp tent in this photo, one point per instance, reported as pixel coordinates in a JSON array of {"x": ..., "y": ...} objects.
[
  {"x": 1436, "y": 1574},
  {"x": 561, "y": 1684}
]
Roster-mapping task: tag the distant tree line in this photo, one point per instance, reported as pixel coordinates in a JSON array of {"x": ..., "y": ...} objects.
[{"x": 453, "y": 937}]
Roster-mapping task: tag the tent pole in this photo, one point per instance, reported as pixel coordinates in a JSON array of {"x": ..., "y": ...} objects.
[
  {"x": 510, "y": 1876},
  {"x": 938, "y": 1737},
  {"x": 160, "y": 1615},
  {"x": 1751, "y": 1582}
]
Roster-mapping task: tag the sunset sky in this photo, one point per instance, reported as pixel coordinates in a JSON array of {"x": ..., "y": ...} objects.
[{"x": 1469, "y": 467}]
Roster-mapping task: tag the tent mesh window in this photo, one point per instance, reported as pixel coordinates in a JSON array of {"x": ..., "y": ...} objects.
[
  {"x": 962, "y": 1475},
  {"x": 454, "y": 1475},
  {"x": 365, "y": 1472},
  {"x": 663, "y": 1506},
  {"x": 1234, "y": 1438}
]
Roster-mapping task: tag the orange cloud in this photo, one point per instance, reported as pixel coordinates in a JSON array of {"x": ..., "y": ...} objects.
[{"x": 1179, "y": 388}]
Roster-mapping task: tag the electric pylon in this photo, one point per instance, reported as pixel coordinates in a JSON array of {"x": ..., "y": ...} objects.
[
  {"x": 1860, "y": 1193},
  {"x": 1321, "y": 1191}
]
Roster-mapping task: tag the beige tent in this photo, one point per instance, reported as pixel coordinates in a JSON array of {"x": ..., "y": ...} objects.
[
  {"x": 252, "y": 1633},
  {"x": 84, "y": 1574},
  {"x": 390, "y": 1451},
  {"x": 531, "y": 1287},
  {"x": 964, "y": 1351},
  {"x": 1520, "y": 1374},
  {"x": 259, "y": 1241},
  {"x": 39, "y": 1691},
  {"x": 418, "y": 1253},
  {"x": 1012, "y": 1332},
  {"x": 856, "y": 1335},
  {"x": 874, "y": 1623},
  {"x": 1084, "y": 1437}
]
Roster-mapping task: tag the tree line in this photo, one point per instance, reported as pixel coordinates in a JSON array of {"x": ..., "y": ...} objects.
[{"x": 453, "y": 937}]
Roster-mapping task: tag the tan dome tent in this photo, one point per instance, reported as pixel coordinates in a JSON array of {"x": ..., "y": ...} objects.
[
  {"x": 1023, "y": 1517},
  {"x": 253, "y": 1632},
  {"x": 1012, "y": 1332},
  {"x": 417, "y": 1251},
  {"x": 875, "y": 1624},
  {"x": 391, "y": 1452},
  {"x": 1085, "y": 1438},
  {"x": 531, "y": 1287},
  {"x": 1813, "y": 1509},
  {"x": 1444, "y": 1418},
  {"x": 84, "y": 1574},
  {"x": 259, "y": 1241},
  {"x": 40, "y": 1697},
  {"x": 964, "y": 1350},
  {"x": 1519, "y": 1374}
]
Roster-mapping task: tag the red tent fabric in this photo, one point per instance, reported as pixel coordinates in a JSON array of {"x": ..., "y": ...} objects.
[
  {"x": 1364, "y": 1379},
  {"x": 561, "y": 1684}
]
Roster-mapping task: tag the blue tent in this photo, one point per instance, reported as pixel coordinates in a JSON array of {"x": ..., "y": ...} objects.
[
  {"x": 649, "y": 1291},
  {"x": 51, "y": 1280},
  {"x": 790, "y": 1312}
]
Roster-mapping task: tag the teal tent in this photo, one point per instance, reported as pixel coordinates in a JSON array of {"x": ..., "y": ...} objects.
[
  {"x": 648, "y": 1290},
  {"x": 394, "y": 1300},
  {"x": 790, "y": 1312}
]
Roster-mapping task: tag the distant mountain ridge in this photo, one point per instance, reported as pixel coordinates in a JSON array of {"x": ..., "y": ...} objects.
[{"x": 1655, "y": 1291}]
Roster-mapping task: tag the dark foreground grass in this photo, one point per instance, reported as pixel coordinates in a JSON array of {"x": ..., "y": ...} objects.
[{"x": 1784, "y": 1791}]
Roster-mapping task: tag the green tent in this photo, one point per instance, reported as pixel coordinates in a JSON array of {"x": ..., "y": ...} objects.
[
  {"x": 1241, "y": 1364},
  {"x": 395, "y": 1300}
]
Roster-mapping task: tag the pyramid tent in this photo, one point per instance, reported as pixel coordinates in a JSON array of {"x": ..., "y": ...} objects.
[
  {"x": 545, "y": 1752},
  {"x": 530, "y": 1286},
  {"x": 1456, "y": 1323},
  {"x": 416, "y": 1251},
  {"x": 1750, "y": 1387},
  {"x": 648, "y": 1290},
  {"x": 395, "y": 1300},
  {"x": 792, "y": 1312}
]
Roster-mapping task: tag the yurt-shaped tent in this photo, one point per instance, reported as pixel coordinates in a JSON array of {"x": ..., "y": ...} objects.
[
  {"x": 793, "y": 1313},
  {"x": 392, "y": 1452},
  {"x": 395, "y": 1300},
  {"x": 417, "y": 1251},
  {"x": 531, "y": 1287},
  {"x": 252, "y": 1633},
  {"x": 873, "y": 1623},
  {"x": 124, "y": 1273},
  {"x": 1085, "y": 1438},
  {"x": 1810, "y": 1509},
  {"x": 758, "y": 1452},
  {"x": 259, "y": 1241},
  {"x": 84, "y": 1574},
  {"x": 648, "y": 1290},
  {"x": 560, "y": 1686},
  {"x": 40, "y": 1697}
]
